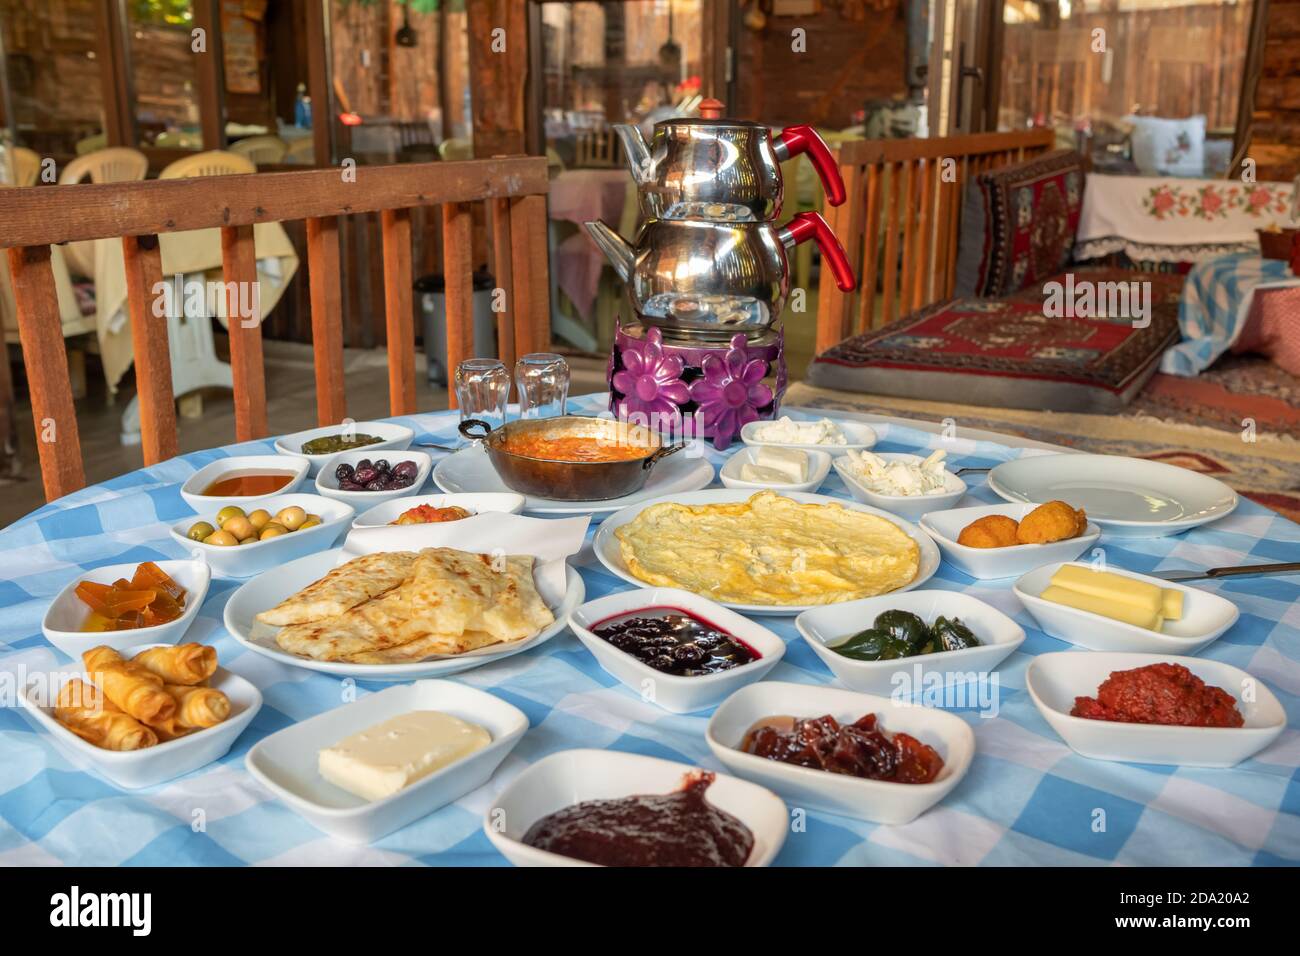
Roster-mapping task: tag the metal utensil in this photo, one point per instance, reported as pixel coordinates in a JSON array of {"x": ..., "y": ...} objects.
[
  {"x": 972, "y": 471},
  {"x": 425, "y": 444},
  {"x": 1288, "y": 567}
]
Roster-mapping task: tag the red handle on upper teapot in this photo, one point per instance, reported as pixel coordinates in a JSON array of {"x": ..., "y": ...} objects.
[
  {"x": 810, "y": 225},
  {"x": 804, "y": 139}
]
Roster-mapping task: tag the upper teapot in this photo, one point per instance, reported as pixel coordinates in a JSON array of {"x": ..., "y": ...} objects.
[{"x": 720, "y": 169}]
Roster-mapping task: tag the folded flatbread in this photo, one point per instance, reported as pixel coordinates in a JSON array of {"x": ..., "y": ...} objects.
[
  {"x": 344, "y": 588},
  {"x": 450, "y": 602}
]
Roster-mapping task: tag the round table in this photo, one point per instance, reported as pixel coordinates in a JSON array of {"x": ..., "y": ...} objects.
[{"x": 1027, "y": 800}]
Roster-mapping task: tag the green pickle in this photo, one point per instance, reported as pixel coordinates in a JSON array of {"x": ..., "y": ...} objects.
[
  {"x": 330, "y": 444},
  {"x": 897, "y": 634}
]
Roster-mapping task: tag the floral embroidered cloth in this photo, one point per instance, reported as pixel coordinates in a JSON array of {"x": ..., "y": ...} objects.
[{"x": 1177, "y": 220}]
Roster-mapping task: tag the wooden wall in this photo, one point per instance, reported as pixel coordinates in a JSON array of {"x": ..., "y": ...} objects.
[
  {"x": 847, "y": 63},
  {"x": 1275, "y": 144}
]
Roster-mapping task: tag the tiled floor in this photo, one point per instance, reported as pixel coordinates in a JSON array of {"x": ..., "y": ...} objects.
[{"x": 291, "y": 406}]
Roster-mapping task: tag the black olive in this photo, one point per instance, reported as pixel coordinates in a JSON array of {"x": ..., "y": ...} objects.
[{"x": 343, "y": 472}]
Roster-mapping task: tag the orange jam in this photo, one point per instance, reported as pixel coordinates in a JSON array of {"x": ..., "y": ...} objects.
[
  {"x": 574, "y": 448},
  {"x": 151, "y": 597},
  {"x": 239, "y": 484}
]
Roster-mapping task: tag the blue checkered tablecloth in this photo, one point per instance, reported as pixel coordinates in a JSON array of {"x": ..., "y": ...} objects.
[{"x": 1027, "y": 799}]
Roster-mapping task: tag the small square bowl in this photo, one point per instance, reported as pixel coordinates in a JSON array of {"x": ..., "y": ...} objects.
[
  {"x": 858, "y": 436},
  {"x": 382, "y": 515},
  {"x": 672, "y": 692},
  {"x": 910, "y": 507},
  {"x": 573, "y": 776},
  {"x": 192, "y": 489},
  {"x": 985, "y": 563},
  {"x": 328, "y": 485},
  {"x": 67, "y": 612},
  {"x": 1205, "y": 617},
  {"x": 136, "y": 769},
  {"x": 286, "y": 762},
  {"x": 393, "y": 437},
  {"x": 819, "y": 466},
  {"x": 1055, "y": 680},
  {"x": 880, "y": 801},
  {"x": 246, "y": 560},
  {"x": 824, "y": 627}
]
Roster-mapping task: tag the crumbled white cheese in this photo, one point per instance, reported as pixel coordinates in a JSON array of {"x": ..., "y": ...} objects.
[
  {"x": 903, "y": 478},
  {"x": 787, "y": 431}
]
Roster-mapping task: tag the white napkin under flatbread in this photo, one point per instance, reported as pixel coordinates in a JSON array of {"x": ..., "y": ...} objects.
[{"x": 549, "y": 540}]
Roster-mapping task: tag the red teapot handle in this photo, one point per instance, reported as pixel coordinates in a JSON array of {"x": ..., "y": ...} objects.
[
  {"x": 810, "y": 225},
  {"x": 804, "y": 139}
]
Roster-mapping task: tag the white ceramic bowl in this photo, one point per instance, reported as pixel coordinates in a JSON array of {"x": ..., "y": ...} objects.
[
  {"x": 328, "y": 485},
  {"x": 881, "y": 801},
  {"x": 67, "y": 612},
  {"x": 286, "y": 761},
  {"x": 1055, "y": 680},
  {"x": 382, "y": 515},
  {"x": 211, "y": 504},
  {"x": 910, "y": 507},
  {"x": 1205, "y": 617},
  {"x": 824, "y": 627},
  {"x": 247, "y": 560},
  {"x": 135, "y": 769},
  {"x": 986, "y": 563},
  {"x": 858, "y": 436},
  {"x": 394, "y": 437},
  {"x": 572, "y": 776},
  {"x": 673, "y": 692},
  {"x": 819, "y": 466}
]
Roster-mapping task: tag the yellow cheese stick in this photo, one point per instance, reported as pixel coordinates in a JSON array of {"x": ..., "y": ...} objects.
[
  {"x": 1172, "y": 607},
  {"x": 1116, "y": 610},
  {"x": 1114, "y": 588}
]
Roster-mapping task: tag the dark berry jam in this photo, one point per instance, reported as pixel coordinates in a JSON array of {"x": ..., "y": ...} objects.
[{"x": 674, "y": 642}]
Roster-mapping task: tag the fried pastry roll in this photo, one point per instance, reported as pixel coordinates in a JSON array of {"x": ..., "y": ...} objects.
[
  {"x": 198, "y": 707},
  {"x": 180, "y": 663},
  {"x": 84, "y": 710},
  {"x": 132, "y": 688}
]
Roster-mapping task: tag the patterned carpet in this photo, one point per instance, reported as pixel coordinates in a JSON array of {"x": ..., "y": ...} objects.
[{"x": 1239, "y": 422}]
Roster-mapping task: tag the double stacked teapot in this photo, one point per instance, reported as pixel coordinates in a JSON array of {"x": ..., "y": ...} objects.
[{"x": 709, "y": 259}]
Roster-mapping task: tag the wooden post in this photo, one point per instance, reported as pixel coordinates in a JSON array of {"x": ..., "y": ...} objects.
[
  {"x": 502, "y": 261},
  {"x": 458, "y": 277},
  {"x": 210, "y": 75},
  {"x": 497, "y": 76},
  {"x": 142, "y": 258},
  {"x": 531, "y": 280},
  {"x": 319, "y": 82},
  {"x": 326, "y": 318},
  {"x": 239, "y": 270},
  {"x": 40, "y": 330},
  {"x": 399, "y": 310}
]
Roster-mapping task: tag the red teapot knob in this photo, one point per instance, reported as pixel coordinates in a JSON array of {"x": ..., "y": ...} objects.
[{"x": 711, "y": 109}]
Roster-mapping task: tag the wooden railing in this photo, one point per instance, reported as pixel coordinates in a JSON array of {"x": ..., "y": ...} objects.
[
  {"x": 901, "y": 220},
  {"x": 513, "y": 188}
]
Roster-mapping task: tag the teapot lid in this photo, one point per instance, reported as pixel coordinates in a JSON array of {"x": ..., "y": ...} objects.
[{"x": 710, "y": 115}]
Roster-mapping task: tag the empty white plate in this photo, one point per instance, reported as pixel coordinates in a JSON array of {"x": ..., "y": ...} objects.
[
  {"x": 1129, "y": 497},
  {"x": 470, "y": 470},
  {"x": 606, "y": 546},
  {"x": 1055, "y": 680}
]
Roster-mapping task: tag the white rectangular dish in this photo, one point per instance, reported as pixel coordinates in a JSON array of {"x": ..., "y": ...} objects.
[
  {"x": 327, "y": 483},
  {"x": 286, "y": 761},
  {"x": 391, "y": 437},
  {"x": 910, "y": 507},
  {"x": 1205, "y": 617},
  {"x": 193, "y": 487},
  {"x": 824, "y": 627},
  {"x": 382, "y": 515},
  {"x": 573, "y": 776},
  {"x": 819, "y": 466},
  {"x": 880, "y": 801},
  {"x": 987, "y": 563},
  {"x": 1055, "y": 680},
  {"x": 857, "y": 436},
  {"x": 136, "y": 769}
]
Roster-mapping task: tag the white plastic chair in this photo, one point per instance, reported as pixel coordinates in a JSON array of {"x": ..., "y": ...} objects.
[{"x": 260, "y": 149}]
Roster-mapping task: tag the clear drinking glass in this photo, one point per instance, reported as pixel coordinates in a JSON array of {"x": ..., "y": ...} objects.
[
  {"x": 483, "y": 390},
  {"x": 542, "y": 379}
]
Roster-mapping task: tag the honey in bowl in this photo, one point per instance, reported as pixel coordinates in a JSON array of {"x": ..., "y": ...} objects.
[{"x": 245, "y": 484}]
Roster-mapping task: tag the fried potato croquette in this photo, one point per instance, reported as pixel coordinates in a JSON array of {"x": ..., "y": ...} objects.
[
  {"x": 1053, "y": 521},
  {"x": 991, "y": 531}
]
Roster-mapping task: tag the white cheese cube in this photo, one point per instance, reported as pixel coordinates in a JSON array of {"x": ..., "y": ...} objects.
[{"x": 789, "y": 461}]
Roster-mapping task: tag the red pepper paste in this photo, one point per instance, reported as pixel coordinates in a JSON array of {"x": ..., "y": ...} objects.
[{"x": 1160, "y": 694}]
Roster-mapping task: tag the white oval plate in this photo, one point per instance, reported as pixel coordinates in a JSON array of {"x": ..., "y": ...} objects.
[
  {"x": 470, "y": 470},
  {"x": 1055, "y": 680},
  {"x": 1129, "y": 497},
  {"x": 572, "y": 776},
  {"x": 327, "y": 485},
  {"x": 269, "y": 589},
  {"x": 211, "y": 504},
  {"x": 392, "y": 436},
  {"x": 606, "y": 546}
]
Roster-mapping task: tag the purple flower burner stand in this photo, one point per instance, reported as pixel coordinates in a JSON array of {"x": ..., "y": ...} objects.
[{"x": 661, "y": 383}]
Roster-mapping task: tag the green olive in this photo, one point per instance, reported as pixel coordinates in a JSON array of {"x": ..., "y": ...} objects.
[
  {"x": 259, "y": 518},
  {"x": 292, "y": 517},
  {"x": 251, "y": 539},
  {"x": 222, "y": 539},
  {"x": 240, "y": 527},
  {"x": 311, "y": 522},
  {"x": 228, "y": 512},
  {"x": 272, "y": 530},
  {"x": 199, "y": 531}
]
